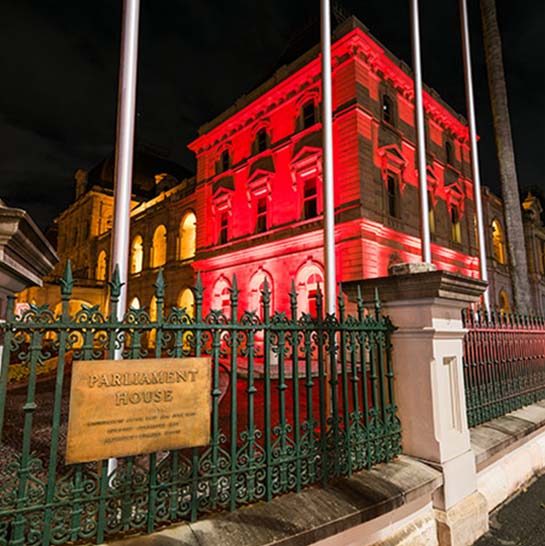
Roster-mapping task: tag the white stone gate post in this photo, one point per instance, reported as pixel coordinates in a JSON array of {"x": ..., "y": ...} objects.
[{"x": 429, "y": 388}]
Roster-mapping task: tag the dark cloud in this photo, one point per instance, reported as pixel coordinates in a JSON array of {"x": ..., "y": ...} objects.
[{"x": 60, "y": 60}]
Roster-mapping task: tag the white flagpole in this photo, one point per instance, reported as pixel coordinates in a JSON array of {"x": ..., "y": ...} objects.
[
  {"x": 124, "y": 154},
  {"x": 327, "y": 145},
  {"x": 468, "y": 79},
  {"x": 420, "y": 134}
]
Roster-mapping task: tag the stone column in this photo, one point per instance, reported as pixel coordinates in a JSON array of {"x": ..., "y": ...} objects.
[{"x": 429, "y": 389}]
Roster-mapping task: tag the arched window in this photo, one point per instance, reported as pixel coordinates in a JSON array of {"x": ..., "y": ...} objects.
[
  {"x": 101, "y": 266},
  {"x": 135, "y": 303},
  {"x": 255, "y": 297},
  {"x": 186, "y": 300},
  {"x": 456, "y": 228},
  {"x": 308, "y": 114},
  {"x": 498, "y": 242},
  {"x": 221, "y": 296},
  {"x": 188, "y": 232},
  {"x": 308, "y": 279},
  {"x": 137, "y": 254},
  {"x": 448, "y": 152},
  {"x": 153, "y": 317},
  {"x": 159, "y": 248},
  {"x": 505, "y": 306},
  {"x": 387, "y": 109},
  {"x": 261, "y": 140}
]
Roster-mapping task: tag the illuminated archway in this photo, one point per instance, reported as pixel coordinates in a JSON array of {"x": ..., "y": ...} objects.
[
  {"x": 159, "y": 248},
  {"x": 188, "y": 232},
  {"x": 101, "y": 266},
  {"x": 309, "y": 278},
  {"x": 498, "y": 242},
  {"x": 135, "y": 303},
  {"x": 255, "y": 287},
  {"x": 186, "y": 300},
  {"x": 505, "y": 306},
  {"x": 221, "y": 296},
  {"x": 137, "y": 254}
]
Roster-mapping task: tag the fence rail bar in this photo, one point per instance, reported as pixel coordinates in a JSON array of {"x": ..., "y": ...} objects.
[{"x": 504, "y": 363}]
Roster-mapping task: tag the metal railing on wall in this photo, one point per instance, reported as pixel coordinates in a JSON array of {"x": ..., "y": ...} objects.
[
  {"x": 296, "y": 400},
  {"x": 504, "y": 363}
]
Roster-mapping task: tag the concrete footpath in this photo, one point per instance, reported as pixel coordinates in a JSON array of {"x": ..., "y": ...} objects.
[{"x": 521, "y": 521}]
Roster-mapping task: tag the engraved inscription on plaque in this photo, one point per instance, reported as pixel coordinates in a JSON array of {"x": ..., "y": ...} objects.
[{"x": 129, "y": 407}]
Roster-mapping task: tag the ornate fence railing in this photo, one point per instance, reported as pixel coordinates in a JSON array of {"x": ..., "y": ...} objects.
[
  {"x": 504, "y": 363},
  {"x": 295, "y": 400}
]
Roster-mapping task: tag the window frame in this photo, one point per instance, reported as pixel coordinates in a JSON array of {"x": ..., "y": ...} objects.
[
  {"x": 307, "y": 108},
  {"x": 393, "y": 198},
  {"x": 306, "y": 199}
]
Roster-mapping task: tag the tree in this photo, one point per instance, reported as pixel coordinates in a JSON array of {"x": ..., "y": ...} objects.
[{"x": 516, "y": 249}]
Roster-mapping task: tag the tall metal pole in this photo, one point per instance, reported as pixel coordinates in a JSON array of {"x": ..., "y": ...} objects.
[
  {"x": 420, "y": 134},
  {"x": 468, "y": 78},
  {"x": 124, "y": 145},
  {"x": 126, "y": 105},
  {"x": 327, "y": 145}
]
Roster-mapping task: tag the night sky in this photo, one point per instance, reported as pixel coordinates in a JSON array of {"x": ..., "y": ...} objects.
[{"x": 59, "y": 63}]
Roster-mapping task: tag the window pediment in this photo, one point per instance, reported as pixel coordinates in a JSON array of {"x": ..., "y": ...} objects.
[
  {"x": 221, "y": 200},
  {"x": 392, "y": 161},
  {"x": 259, "y": 183},
  {"x": 225, "y": 183},
  {"x": 305, "y": 163},
  {"x": 454, "y": 195}
]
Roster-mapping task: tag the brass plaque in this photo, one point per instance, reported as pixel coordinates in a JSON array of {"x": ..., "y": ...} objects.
[{"x": 128, "y": 407}]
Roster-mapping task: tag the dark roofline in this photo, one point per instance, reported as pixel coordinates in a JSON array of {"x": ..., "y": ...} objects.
[{"x": 282, "y": 73}]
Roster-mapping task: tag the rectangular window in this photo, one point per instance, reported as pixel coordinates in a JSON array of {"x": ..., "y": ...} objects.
[
  {"x": 431, "y": 215},
  {"x": 456, "y": 228},
  {"x": 261, "y": 140},
  {"x": 261, "y": 215},
  {"x": 310, "y": 199},
  {"x": 309, "y": 115},
  {"x": 223, "y": 228},
  {"x": 393, "y": 196}
]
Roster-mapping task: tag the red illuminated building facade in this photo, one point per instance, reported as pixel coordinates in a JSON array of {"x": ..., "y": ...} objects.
[
  {"x": 254, "y": 208},
  {"x": 259, "y": 180}
]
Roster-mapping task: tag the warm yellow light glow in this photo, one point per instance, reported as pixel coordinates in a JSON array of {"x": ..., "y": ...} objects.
[
  {"x": 186, "y": 300},
  {"x": 159, "y": 250},
  {"x": 101, "y": 266},
  {"x": 137, "y": 254},
  {"x": 498, "y": 242},
  {"x": 505, "y": 306},
  {"x": 188, "y": 232}
]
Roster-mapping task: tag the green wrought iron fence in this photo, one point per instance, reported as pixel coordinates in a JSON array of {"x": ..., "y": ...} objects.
[
  {"x": 504, "y": 363},
  {"x": 296, "y": 400}
]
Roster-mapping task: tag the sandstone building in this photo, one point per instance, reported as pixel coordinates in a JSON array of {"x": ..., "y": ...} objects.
[{"x": 254, "y": 208}]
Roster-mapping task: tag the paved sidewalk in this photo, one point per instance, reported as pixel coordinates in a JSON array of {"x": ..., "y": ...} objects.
[{"x": 520, "y": 522}]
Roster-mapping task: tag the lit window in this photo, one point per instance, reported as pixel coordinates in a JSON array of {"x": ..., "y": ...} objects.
[
  {"x": 387, "y": 109},
  {"x": 505, "y": 306},
  {"x": 308, "y": 280},
  {"x": 188, "y": 232},
  {"x": 310, "y": 199},
  {"x": 261, "y": 215},
  {"x": 261, "y": 140},
  {"x": 448, "y": 153},
  {"x": 186, "y": 300},
  {"x": 137, "y": 254},
  {"x": 498, "y": 242},
  {"x": 159, "y": 249},
  {"x": 393, "y": 196},
  {"x": 221, "y": 297},
  {"x": 456, "y": 229},
  {"x": 431, "y": 214},
  {"x": 101, "y": 266},
  {"x": 135, "y": 303},
  {"x": 223, "y": 231},
  {"x": 309, "y": 114}
]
